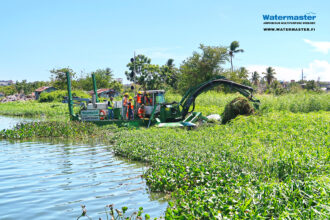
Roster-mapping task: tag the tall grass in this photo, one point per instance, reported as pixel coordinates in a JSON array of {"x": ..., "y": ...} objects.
[
  {"x": 208, "y": 103},
  {"x": 214, "y": 102}
]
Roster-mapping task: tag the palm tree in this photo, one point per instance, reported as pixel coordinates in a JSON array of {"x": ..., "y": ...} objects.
[
  {"x": 233, "y": 49},
  {"x": 255, "y": 78},
  {"x": 170, "y": 63},
  {"x": 243, "y": 73},
  {"x": 269, "y": 75}
]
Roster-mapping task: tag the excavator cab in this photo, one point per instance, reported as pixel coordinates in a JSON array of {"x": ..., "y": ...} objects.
[{"x": 152, "y": 99}]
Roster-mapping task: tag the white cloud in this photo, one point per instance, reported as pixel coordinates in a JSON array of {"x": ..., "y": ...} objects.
[
  {"x": 315, "y": 69},
  {"x": 320, "y": 46},
  {"x": 162, "y": 53}
]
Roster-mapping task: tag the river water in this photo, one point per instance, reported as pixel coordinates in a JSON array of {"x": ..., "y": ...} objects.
[{"x": 50, "y": 180}]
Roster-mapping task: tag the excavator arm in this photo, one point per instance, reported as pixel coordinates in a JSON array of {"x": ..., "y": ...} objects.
[{"x": 189, "y": 98}]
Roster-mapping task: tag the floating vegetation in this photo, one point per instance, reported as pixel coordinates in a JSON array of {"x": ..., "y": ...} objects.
[
  {"x": 117, "y": 214},
  {"x": 56, "y": 111},
  {"x": 50, "y": 130},
  {"x": 270, "y": 166}
]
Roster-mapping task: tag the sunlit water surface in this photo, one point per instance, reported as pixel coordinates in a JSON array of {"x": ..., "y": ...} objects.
[{"x": 50, "y": 180}]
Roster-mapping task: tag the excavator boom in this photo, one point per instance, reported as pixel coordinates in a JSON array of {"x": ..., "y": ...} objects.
[{"x": 189, "y": 98}]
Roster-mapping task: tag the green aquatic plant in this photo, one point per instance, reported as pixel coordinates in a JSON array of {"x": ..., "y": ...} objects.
[
  {"x": 270, "y": 166},
  {"x": 116, "y": 214},
  {"x": 50, "y": 111},
  {"x": 238, "y": 106},
  {"x": 51, "y": 129}
]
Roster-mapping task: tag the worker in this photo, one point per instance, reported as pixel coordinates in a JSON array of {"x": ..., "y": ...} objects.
[
  {"x": 141, "y": 112},
  {"x": 147, "y": 99},
  {"x": 139, "y": 98},
  {"x": 124, "y": 109},
  {"x": 130, "y": 109},
  {"x": 110, "y": 108}
]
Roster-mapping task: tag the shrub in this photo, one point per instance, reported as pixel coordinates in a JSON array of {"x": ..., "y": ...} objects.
[{"x": 57, "y": 96}]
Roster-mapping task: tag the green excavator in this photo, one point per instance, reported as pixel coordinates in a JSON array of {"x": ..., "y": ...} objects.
[{"x": 157, "y": 112}]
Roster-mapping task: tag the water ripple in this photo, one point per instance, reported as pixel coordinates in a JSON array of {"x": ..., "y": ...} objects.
[{"x": 50, "y": 181}]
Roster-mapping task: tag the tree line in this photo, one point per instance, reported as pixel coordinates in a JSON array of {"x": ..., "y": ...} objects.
[
  {"x": 204, "y": 65},
  {"x": 104, "y": 78},
  {"x": 201, "y": 66}
]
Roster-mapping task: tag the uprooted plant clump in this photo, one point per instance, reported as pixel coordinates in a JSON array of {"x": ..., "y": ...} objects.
[{"x": 238, "y": 106}]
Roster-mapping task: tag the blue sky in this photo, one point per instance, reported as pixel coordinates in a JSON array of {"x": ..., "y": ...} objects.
[{"x": 37, "y": 36}]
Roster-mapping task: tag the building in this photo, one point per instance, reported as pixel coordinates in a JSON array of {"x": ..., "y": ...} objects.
[
  {"x": 105, "y": 93},
  {"x": 6, "y": 82},
  {"x": 40, "y": 90},
  {"x": 324, "y": 86}
]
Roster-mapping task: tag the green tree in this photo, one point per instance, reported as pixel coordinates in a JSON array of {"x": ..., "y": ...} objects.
[
  {"x": 203, "y": 66},
  {"x": 277, "y": 88},
  {"x": 169, "y": 74},
  {"x": 243, "y": 73},
  {"x": 239, "y": 76},
  {"x": 312, "y": 85},
  {"x": 58, "y": 77},
  {"x": 22, "y": 87},
  {"x": 269, "y": 75},
  {"x": 117, "y": 86},
  {"x": 8, "y": 90},
  {"x": 103, "y": 79},
  {"x": 26, "y": 88},
  {"x": 142, "y": 72},
  {"x": 255, "y": 78},
  {"x": 233, "y": 49}
]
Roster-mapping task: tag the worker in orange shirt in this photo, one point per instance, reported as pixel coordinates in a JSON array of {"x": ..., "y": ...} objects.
[
  {"x": 141, "y": 112},
  {"x": 139, "y": 99},
  {"x": 130, "y": 109}
]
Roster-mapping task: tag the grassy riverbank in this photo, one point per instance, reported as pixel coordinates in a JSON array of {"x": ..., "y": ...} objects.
[
  {"x": 271, "y": 165},
  {"x": 54, "y": 110},
  {"x": 212, "y": 102},
  {"x": 207, "y": 103}
]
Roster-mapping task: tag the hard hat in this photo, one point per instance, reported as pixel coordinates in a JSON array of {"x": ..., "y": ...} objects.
[
  {"x": 126, "y": 93},
  {"x": 130, "y": 98},
  {"x": 139, "y": 92}
]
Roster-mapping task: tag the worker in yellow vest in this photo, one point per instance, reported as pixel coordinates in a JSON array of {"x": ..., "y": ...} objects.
[{"x": 110, "y": 108}]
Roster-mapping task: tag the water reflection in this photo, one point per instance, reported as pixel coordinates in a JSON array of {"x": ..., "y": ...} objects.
[{"x": 50, "y": 179}]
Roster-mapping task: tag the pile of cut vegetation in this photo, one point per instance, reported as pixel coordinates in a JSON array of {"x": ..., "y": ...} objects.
[{"x": 238, "y": 106}]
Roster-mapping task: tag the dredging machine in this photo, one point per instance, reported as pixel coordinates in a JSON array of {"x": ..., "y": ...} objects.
[{"x": 157, "y": 112}]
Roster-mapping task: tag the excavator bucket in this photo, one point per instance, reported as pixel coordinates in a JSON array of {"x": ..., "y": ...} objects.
[
  {"x": 187, "y": 122},
  {"x": 169, "y": 125}
]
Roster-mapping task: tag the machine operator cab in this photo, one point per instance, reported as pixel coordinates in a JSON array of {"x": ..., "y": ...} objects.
[{"x": 151, "y": 99}]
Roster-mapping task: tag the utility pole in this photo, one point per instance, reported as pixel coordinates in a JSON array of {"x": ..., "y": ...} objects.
[
  {"x": 134, "y": 75},
  {"x": 302, "y": 75}
]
